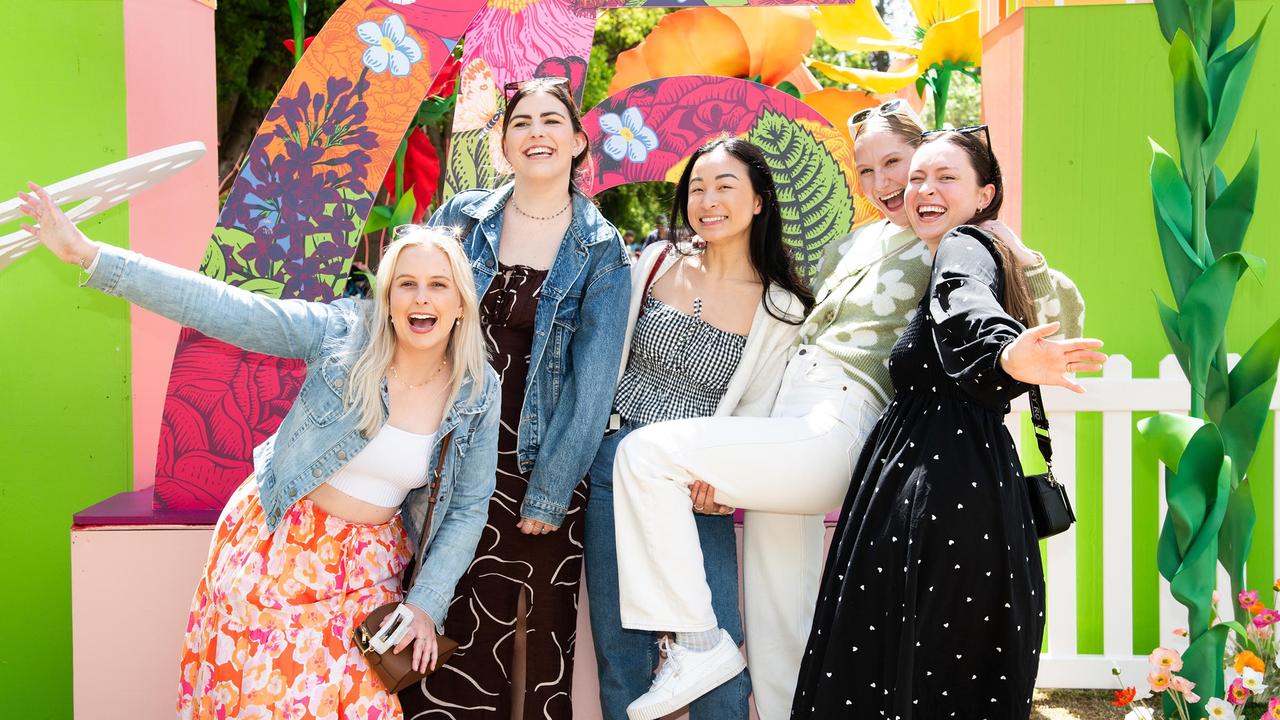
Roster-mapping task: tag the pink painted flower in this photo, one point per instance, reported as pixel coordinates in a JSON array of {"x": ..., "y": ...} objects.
[
  {"x": 1272, "y": 706},
  {"x": 1180, "y": 632},
  {"x": 1247, "y": 598},
  {"x": 1159, "y": 680},
  {"x": 1166, "y": 660}
]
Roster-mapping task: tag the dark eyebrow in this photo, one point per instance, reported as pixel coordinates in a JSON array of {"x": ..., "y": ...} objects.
[
  {"x": 721, "y": 175},
  {"x": 526, "y": 116}
]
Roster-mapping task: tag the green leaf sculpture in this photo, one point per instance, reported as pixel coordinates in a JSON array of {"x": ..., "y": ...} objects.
[
  {"x": 809, "y": 218},
  {"x": 1201, "y": 223}
]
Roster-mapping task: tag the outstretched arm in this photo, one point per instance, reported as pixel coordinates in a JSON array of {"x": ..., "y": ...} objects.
[{"x": 285, "y": 328}]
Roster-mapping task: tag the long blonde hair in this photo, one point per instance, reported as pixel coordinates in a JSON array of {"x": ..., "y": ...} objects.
[{"x": 466, "y": 350}]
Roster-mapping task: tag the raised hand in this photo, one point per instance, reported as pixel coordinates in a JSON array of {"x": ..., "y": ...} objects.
[
  {"x": 1033, "y": 358},
  {"x": 55, "y": 229}
]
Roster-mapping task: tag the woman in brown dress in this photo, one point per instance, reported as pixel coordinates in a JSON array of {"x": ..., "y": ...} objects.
[{"x": 555, "y": 284}]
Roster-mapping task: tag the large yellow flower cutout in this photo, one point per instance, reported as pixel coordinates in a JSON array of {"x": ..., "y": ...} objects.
[
  {"x": 950, "y": 39},
  {"x": 765, "y": 43}
]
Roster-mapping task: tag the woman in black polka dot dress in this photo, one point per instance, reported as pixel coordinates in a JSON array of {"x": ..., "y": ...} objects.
[{"x": 932, "y": 603}]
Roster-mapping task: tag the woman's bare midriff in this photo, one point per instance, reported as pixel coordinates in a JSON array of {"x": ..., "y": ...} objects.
[{"x": 344, "y": 507}]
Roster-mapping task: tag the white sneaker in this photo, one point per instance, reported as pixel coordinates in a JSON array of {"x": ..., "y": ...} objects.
[{"x": 687, "y": 675}]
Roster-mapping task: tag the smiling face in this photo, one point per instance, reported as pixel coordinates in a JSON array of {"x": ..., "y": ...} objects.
[
  {"x": 943, "y": 190},
  {"x": 539, "y": 140},
  {"x": 722, "y": 203},
  {"x": 424, "y": 299},
  {"x": 883, "y": 161}
]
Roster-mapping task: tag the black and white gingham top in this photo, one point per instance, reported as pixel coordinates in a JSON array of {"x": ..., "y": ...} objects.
[{"x": 680, "y": 366}]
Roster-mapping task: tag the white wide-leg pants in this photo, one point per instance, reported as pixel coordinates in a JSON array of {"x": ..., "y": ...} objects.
[{"x": 786, "y": 471}]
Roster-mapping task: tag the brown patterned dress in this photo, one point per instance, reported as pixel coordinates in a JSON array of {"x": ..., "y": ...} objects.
[{"x": 476, "y": 683}]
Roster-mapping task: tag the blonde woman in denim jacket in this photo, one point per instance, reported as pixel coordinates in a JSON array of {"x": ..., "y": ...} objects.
[
  {"x": 320, "y": 534},
  {"x": 554, "y": 282}
]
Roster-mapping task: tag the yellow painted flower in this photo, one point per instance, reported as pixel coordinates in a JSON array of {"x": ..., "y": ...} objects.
[{"x": 950, "y": 41}]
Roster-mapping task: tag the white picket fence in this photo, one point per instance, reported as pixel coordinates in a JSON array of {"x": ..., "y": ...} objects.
[{"x": 1117, "y": 395}]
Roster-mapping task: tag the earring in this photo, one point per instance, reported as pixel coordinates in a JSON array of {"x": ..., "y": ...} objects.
[{"x": 457, "y": 322}]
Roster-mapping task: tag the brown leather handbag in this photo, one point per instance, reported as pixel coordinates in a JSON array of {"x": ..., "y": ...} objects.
[{"x": 395, "y": 670}]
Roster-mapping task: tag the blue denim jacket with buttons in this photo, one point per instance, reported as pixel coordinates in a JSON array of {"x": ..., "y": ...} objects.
[
  {"x": 577, "y": 344},
  {"x": 319, "y": 435}
]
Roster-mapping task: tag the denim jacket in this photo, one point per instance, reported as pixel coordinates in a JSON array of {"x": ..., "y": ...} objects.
[
  {"x": 319, "y": 435},
  {"x": 577, "y": 343}
]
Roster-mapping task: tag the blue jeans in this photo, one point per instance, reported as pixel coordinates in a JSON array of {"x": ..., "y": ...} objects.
[{"x": 627, "y": 658}]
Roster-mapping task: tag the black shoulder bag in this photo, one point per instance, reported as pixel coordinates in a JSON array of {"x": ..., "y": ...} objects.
[{"x": 1050, "y": 506}]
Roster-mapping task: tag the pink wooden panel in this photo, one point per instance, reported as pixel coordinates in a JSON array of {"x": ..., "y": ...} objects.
[
  {"x": 171, "y": 98},
  {"x": 130, "y": 590},
  {"x": 1002, "y": 106}
]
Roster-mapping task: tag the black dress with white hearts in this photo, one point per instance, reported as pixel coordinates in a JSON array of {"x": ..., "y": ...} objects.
[{"x": 932, "y": 603}]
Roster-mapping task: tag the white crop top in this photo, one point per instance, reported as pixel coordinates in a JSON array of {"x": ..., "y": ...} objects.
[{"x": 392, "y": 464}]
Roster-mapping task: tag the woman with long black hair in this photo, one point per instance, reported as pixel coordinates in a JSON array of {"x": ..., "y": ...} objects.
[{"x": 707, "y": 335}]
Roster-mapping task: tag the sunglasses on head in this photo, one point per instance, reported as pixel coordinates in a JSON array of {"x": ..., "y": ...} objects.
[
  {"x": 891, "y": 107},
  {"x": 511, "y": 88},
  {"x": 969, "y": 130},
  {"x": 981, "y": 131}
]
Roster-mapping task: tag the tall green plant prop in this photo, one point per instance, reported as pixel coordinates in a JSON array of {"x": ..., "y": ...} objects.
[{"x": 1201, "y": 220}]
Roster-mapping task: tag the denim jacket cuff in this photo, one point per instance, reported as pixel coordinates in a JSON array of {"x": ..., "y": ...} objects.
[
  {"x": 429, "y": 601},
  {"x": 107, "y": 269},
  {"x": 543, "y": 511}
]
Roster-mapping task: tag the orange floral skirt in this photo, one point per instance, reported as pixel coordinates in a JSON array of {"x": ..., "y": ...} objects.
[{"x": 269, "y": 635}]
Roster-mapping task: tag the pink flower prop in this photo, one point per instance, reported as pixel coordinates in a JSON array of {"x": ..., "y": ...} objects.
[
  {"x": 1180, "y": 632},
  {"x": 1266, "y": 618},
  {"x": 1184, "y": 686},
  {"x": 1159, "y": 680},
  {"x": 1246, "y": 598},
  {"x": 1166, "y": 659},
  {"x": 1237, "y": 693},
  {"x": 1272, "y": 706}
]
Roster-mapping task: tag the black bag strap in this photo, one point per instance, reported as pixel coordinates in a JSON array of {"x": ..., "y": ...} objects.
[
  {"x": 431, "y": 509},
  {"x": 1040, "y": 420}
]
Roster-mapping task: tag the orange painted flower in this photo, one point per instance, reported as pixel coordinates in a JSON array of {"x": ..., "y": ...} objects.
[
  {"x": 1257, "y": 608},
  {"x": 1276, "y": 585},
  {"x": 768, "y": 43},
  {"x": 1124, "y": 697},
  {"x": 1250, "y": 660}
]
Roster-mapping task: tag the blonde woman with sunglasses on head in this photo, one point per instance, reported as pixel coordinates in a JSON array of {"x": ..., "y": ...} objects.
[
  {"x": 321, "y": 532},
  {"x": 788, "y": 470}
]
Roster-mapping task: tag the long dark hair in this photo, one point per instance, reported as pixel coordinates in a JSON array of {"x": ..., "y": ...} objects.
[
  {"x": 1017, "y": 300},
  {"x": 558, "y": 88},
  {"x": 769, "y": 254}
]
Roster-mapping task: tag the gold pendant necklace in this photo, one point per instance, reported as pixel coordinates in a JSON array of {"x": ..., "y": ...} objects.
[{"x": 396, "y": 374}]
